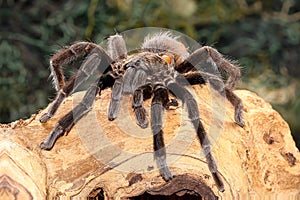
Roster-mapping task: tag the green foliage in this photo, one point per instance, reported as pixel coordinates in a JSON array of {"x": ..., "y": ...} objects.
[{"x": 264, "y": 36}]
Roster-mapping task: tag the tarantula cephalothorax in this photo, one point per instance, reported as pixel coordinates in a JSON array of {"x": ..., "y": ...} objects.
[{"x": 162, "y": 66}]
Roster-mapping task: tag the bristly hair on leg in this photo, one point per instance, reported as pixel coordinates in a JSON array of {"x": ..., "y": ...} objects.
[{"x": 53, "y": 78}]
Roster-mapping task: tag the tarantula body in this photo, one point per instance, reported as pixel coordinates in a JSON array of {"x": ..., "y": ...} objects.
[{"x": 162, "y": 67}]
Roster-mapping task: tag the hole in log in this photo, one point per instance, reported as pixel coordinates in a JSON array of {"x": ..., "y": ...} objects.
[
  {"x": 147, "y": 196},
  {"x": 181, "y": 187},
  {"x": 96, "y": 194}
]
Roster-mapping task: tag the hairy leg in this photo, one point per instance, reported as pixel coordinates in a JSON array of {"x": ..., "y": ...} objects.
[
  {"x": 66, "y": 56},
  {"x": 159, "y": 101},
  {"x": 68, "y": 121},
  {"x": 117, "y": 50},
  {"x": 211, "y": 61},
  {"x": 216, "y": 82},
  {"x": 96, "y": 57},
  {"x": 193, "y": 113}
]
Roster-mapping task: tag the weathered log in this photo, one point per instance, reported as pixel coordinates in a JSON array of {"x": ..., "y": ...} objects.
[{"x": 114, "y": 159}]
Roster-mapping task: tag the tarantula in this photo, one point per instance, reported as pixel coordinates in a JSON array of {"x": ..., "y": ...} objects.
[{"x": 163, "y": 66}]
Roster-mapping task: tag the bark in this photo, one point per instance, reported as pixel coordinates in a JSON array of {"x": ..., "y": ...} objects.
[{"x": 114, "y": 159}]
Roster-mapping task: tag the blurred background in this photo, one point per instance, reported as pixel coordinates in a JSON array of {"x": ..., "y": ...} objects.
[{"x": 264, "y": 36}]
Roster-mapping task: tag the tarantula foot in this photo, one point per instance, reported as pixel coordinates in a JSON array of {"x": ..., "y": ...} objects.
[
  {"x": 111, "y": 118},
  {"x": 240, "y": 123},
  {"x": 239, "y": 120},
  {"x": 218, "y": 180},
  {"x": 45, "y": 146},
  {"x": 45, "y": 117},
  {"x": 164, "y": 170},
  {"x": 166, "y": 174},
  {"x": 50, "y": 140}
]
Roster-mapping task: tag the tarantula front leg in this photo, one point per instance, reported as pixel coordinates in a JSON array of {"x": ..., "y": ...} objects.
[
  {"x": 159, "y": 101},
  {"x": 193, "y": 114},
  {"x": 68, "y": 121},
  {"x": 96, "y": 57}
]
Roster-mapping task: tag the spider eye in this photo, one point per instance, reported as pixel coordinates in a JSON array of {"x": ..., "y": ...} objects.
[{"x": 166, "y": 58}]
